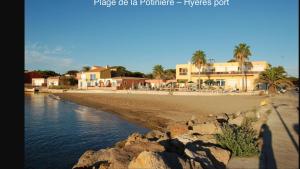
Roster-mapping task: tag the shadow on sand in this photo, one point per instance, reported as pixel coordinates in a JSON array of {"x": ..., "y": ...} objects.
[
  {"x": 267, "y": 159},
  {"x": 285, "y": 126}
]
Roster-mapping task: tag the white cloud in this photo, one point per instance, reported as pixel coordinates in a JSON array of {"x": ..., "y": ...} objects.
[{"x": 38, "y": 56}]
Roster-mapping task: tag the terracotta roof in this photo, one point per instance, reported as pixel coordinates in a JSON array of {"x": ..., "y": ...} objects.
[{"x": 97, "y": 69}]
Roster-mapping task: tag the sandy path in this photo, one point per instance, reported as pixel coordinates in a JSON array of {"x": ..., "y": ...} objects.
[
  {"x": 155, "y": 111},
  {"x": 282, "y": 136}
]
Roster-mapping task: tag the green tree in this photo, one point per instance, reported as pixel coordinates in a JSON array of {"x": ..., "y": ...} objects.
[
  {"x": 199, "y": 59},
  {"x": 119, "y": 71},
  {"x": 85, "y": 68},
  {"x": 72, "y": 72},
  {"x": 170, "y": 74},
  {"x": 158, "y": 71},
  {"x": 241, "y": 55},
  {"x": 274, "y": 77},
  {"x": 47, "y": 73}
]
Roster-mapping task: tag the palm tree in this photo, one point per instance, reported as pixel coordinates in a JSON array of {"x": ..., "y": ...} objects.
[
  {"x": 158, "y": 71},
  {"x": 274, "y": 77},
  {"x": 85, "y": 68},
  {"x": 241, "y": 55},
  {"x": 199, "y": 59}
]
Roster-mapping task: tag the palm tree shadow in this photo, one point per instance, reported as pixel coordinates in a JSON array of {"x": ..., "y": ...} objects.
[{"x": 267, "y": 159}]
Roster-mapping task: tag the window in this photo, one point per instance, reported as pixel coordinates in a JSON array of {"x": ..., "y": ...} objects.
[
  {"x": 93, "y": 76},
  {"x": 183, "y": 71},
  {"x": 220, "y": 82}
]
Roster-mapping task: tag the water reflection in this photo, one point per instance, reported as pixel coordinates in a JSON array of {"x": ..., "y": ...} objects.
[
  {"x": 57, "y": 132},
  {"x": 86, "y": 114}
]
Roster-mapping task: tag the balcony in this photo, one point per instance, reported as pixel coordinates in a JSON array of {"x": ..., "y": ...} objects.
[
  {"x": 226, "y": 73},
  {"x": 182, "y": 73}
]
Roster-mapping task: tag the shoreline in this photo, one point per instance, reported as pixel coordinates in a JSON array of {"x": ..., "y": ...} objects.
[{"x": 156, "y": 112}]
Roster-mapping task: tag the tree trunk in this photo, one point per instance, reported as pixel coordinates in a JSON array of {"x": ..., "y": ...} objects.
[{"x": 199, "y": 80}]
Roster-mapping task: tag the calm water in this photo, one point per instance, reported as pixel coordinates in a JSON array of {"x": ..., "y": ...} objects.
[{"x": 58, "y": 132}]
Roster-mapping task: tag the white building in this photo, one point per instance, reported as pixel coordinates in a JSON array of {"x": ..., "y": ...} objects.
[{"x": 39, "y": 81}]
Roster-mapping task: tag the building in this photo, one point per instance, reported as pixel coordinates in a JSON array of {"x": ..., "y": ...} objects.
[
  {"x": 120, "y": 83},
  {"x": 53, "y": 81},
  {"x": 29, "y": 75},
  {"x": 39, "y": 82},
  {"x": 94, "y": 77},
  {"x": 224, "y": 75},
  {"x": 155, "y": 83}
]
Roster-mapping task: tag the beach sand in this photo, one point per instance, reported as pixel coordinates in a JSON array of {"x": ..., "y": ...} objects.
[{"x": 156, "y": 111}]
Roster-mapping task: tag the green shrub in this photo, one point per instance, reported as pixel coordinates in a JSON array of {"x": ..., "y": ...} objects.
[{"x": 240, "y": 140}]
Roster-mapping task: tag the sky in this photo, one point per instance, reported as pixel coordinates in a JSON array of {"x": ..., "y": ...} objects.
[{"x": 62, "y": 35}]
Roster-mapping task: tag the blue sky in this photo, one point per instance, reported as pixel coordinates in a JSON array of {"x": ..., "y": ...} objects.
[{"x": 67, "y": 34}]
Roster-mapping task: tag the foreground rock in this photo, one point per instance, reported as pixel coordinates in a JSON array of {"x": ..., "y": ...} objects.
[{"x": 185, "y": 145}]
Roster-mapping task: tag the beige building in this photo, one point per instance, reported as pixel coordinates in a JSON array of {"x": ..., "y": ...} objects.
[
  {"x": 225, "y": 75},
  {"x": 39, "y": 82},
  {"x": 53, "y": 81},
  {"x": 96, "y": 76}
]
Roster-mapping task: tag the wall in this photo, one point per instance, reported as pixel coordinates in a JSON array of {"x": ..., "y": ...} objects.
[
  {"x": 52, "y": 82},
  {"x": 38, "y": 82}
]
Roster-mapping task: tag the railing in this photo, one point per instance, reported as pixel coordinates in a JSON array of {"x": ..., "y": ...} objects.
[
  {"x": 182, "y": 73},
  {"x": 232, "y": 72}
]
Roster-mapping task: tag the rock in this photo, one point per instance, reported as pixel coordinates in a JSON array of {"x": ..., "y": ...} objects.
[
  {"x": 237, "y": 121},
  {"x": 221, "y": 155},
  {"x": 188, "y": 138},
  {"x": 135, "y": 137},
  {"x": 154, "y": 135},
  {"x": 138, "y": 147},
  {"x": 175, "y": 161},
  {"x": 88, "y": 159},
  {"x": 201, "y": 157},
  {"x": 117, "y": 158},
  {"x": 210, "y": 156},
  {"x": 177, "y": 129},
  {"x": 120, "y": 144},
  {"x": 190, "y": 122},
  {"x": 207, "y": 128},
  {"x": 147, "y": 160},
  {"x": 222, "y": 118},
  {"x": 173, "y": 145}
]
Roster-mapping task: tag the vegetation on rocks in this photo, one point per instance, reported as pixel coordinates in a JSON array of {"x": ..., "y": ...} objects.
[{"x": 241, "y": 140}]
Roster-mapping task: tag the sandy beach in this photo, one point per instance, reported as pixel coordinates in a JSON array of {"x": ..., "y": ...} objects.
[{"x": 156, "y": 111}]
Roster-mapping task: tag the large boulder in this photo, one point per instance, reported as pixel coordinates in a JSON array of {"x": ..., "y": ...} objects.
[
  {"x": 148, "y": 159},
  {"x": 177, "y": 129},
  {"x": 88, "y": 159},
  {"x": 201, "y": 157},
  {"x": 116, "y": 158},
  {"x": 221, "y": 155},
  {"x": 138, "y": 147},
  {"x": 135, "y": 137},
  {"x": 237, "y": 120},
  {"x": 154, "y": 135},
  {"x": 207, "y": 128},
  {"x": 210, "y": 156},
  {"x": 188, "y": 138}
]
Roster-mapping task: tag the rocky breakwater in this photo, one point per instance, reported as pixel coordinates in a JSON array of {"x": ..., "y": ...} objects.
[{"x": 184, "y": 145}]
